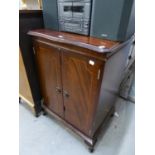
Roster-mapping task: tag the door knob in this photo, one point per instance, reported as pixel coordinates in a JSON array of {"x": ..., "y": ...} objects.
[
  {"x": 66, "y": 94},
  {"x": 58, "y": 90}
]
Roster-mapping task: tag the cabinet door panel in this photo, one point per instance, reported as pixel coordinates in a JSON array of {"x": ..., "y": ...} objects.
[
  {"x": 81, "y": 81},
  {"x": 48, "y": 62}
]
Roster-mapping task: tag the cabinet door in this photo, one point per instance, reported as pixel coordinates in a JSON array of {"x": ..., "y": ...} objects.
[
  {"x": 81, "y": 84},
  {"x": 48, "y": 63}
]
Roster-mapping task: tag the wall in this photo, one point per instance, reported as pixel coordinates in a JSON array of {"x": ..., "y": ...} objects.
[{"x": 30, "y": 4}]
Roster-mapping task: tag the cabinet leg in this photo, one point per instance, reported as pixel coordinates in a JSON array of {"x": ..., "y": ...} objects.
[
  {"x": 112, "y": 112},
  {"x": 20, "y": 100},
  {"x": 44, "y": 112},
  {"x": 37, "y": 114},
  {"x": 112, "y": 115},
  {"x": 91, "y": 149},
  {"x": 91, "y": 146},
  {"x": 37, "y": 109}
]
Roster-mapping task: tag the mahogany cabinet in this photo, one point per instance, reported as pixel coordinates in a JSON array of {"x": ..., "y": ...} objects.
[{"x": 79, "y": 78}]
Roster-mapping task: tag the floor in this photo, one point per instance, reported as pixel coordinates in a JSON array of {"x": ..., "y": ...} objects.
[{"x": 46, "y": 136}]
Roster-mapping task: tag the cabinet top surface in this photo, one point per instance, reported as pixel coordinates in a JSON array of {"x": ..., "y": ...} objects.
[{"x": 91, "y": 43}]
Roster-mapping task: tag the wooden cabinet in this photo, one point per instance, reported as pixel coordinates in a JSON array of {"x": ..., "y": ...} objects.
[
  {"x": 69, "y": 83},
  {"x": 79, "y": 85}
]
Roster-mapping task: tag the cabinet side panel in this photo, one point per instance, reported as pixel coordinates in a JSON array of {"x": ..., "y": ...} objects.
[{"x": 112, "y": 76}]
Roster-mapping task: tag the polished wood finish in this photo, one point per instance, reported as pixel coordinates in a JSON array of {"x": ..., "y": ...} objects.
[
  {"x": 48, "y": 61},
  {"x": 91, "y": 43},
  {"x": 73, "y": 48},
  {"x": 88, "y": 80},
  {"x": 80, "y": 79}
]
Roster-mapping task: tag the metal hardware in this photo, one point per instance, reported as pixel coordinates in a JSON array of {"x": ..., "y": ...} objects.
[
  {"x": 66, "y": 94},
  {"x": 104, "y": 35},
  {"x": 98, "y": 75},
  {"x": 91, "y": 62},
  {"x": 58, "y": 90},
  {"x": 60, "y": 36}
]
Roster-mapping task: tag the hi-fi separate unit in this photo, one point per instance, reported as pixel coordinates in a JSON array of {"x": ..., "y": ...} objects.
[
  {"x": 104, "y": 19},
  {"x": 74, "y": 16},
  {"x": 113, "y": 19}
]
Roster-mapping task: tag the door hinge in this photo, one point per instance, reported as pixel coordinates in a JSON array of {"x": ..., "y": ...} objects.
[{"x": 98, "y": 74}]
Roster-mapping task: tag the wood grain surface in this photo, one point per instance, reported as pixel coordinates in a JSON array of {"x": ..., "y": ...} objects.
[
  {"x": 79, "y": 84},
  {"x": 81, "y": 81},
  {"x": 91, "y": 43},
  {"x": 48, "y": 63}
]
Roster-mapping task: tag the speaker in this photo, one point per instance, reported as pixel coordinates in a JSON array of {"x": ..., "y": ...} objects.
[
  {"x": 50, "y": 14},
  {"x": 113, "y": 19}
]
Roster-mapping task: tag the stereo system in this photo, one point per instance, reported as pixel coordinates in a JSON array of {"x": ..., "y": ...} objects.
[
  {"x": 105, "y": 19},
  {"x": 74, "y": 16}
]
